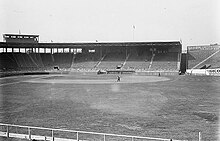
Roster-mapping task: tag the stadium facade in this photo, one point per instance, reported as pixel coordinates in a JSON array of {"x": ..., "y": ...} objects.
[{"x": 24, "y": 52}]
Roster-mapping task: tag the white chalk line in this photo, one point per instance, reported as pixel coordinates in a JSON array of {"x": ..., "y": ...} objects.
[{"x": 5, "y": 84}]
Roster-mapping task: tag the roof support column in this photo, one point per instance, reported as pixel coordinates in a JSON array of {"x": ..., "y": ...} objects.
[
  {"x": 126, "y": 52},
  {"x": 100, "y": 52}
]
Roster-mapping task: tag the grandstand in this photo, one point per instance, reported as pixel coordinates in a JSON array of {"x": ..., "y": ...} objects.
[
  {"x": 138, "y": 60},
  {"x": 167, "y": 61},
  {"x": 140, "y": 56},
  {"x": 84, "y": 61},
  {"x": 203, "y": 60},
  {"x": 7, "y": 61},
  {"x": 200, "y": 56},
  {"x": 111, "y": 60}
]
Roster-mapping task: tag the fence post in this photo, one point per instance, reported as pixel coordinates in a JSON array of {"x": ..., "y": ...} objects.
[
  {"x": 132, "y": 138},
  {"x": 29, "y": 133},
  {"x": 7, "y": 131},
  {"x": 52, "y": 135},
  {"x": 104, "y": 137},
  {"x": 199, "y": 136},
  {"x": 77, "y": 136}
]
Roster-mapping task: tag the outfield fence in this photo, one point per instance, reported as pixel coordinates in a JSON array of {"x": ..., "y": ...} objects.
[{"x": 27, "y": 132}]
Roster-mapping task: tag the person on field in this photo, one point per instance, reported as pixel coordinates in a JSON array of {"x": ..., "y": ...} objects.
[{"x": 118, "y": 79}]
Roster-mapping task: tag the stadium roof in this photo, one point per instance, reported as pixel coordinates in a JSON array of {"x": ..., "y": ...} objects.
[
  {"x": 21, "y": 35},
  {"x": 75, "y": 45}
]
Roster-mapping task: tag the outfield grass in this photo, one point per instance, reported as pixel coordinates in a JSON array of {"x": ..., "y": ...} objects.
[{"x": 177, "y": 107}]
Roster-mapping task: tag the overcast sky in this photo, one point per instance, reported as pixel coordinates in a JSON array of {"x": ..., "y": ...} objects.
[{"x": 195, "y": 22}]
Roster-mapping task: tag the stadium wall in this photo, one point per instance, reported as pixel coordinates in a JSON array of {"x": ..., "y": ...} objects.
[
  {"x": 158, "y": 73},
  {"x": 208, "y": 72}
]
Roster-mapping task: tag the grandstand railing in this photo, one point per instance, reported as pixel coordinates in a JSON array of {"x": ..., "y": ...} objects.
[{"x": 30, "y": 136}]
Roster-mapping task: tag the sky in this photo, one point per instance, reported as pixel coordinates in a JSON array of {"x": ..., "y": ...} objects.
[{"x": 194, "y": 22}]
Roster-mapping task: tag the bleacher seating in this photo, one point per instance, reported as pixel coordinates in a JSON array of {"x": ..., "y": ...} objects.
[
  {"x": 214, "y": 61},
  {"x": 163, "y": 66},
  {"x": 47, "y": 59},
  {"x": 23, "y": 60},
  {"x": 112, "y": 60},
  {"x": 109, "y": 64},
  {"x": 137, "y": 65},
  {"x": 196, "y": 56},
  {"x": 165, "y": 61},
  {"x": 114, "y": 56},
  {"x": 85, "y": 61},
  {"x": 136, "y": 61},
  {"x": 7, "y": 61},
  {"x": 141, "y": 57},
  {"x": 84, "y": 65},
  {"x": 79, "y": 57},
  {"x": 36, "y": 59},
  {"x": 19, "y": 60},
  {"x": 63, "y": 60},
  {"x": 88, "y": 61}
]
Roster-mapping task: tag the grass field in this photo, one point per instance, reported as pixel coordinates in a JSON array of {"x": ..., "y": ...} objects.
[{"x": 168, "y": 107}]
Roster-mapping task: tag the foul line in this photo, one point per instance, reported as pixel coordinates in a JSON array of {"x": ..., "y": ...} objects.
[
  {"x": 5, "y": 84},
  {"x": 10, "y": 83}
]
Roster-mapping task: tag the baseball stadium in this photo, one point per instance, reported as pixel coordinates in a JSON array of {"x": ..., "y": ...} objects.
[{"x": 138, "y": 91}]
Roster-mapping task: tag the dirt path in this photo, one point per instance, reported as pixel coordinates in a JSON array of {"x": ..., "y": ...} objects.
[{"x": 124, "y": 79}]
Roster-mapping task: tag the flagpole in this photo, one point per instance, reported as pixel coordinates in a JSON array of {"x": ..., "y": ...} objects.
[{"x": 133, "y": 31}]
